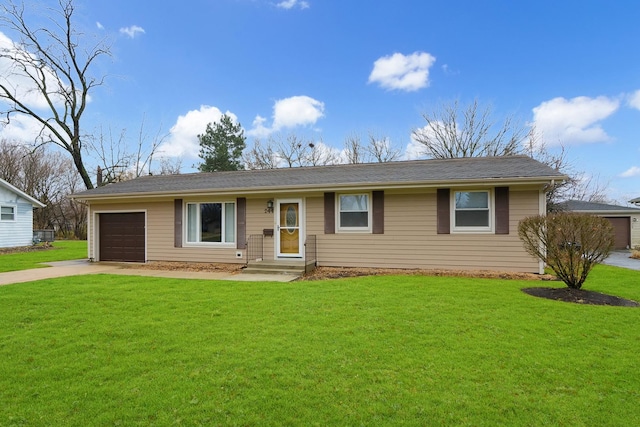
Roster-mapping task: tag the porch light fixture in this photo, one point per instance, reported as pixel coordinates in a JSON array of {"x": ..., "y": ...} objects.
[{"x": 269, "y": 207}]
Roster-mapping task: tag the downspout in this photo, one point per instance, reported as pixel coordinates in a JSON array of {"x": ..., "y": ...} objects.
[{"x": 543, "y": 211}]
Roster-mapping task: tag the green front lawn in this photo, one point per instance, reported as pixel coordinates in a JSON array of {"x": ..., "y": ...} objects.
[
  {"x": 410, "y": 350},
  {"x": 63, "y": 250}
]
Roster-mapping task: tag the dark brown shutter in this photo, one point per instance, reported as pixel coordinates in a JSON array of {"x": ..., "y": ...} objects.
[
  {"x": 443, "y": 211},
  {"x": 241, "y": 222},
  {"x": 329, "y": 213},
  {"x": 502, "y": 210},
  {"x": 378, "y": 212},
  {"x": 177, "y": 223}
]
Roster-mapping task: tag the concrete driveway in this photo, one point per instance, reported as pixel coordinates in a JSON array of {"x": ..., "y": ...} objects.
[
  {"x": 621, "y": 259},
  {"x": 80, "y": 267}
]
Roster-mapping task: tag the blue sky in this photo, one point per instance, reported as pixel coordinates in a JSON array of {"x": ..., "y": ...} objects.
[{"x": 330, "y": 69}]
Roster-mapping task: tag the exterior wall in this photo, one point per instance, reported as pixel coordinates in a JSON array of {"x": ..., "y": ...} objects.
[
  {"x": 635, "y": 230},
  {"x": 257, "y": 221},
  {"x": 410, "y": 238},
  {"x": 635, "y": 226},
  {"x": 160, "y": 232},
  {"x": 18, "y": 232}
]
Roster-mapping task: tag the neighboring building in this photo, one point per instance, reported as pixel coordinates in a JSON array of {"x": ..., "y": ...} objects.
[
  {"x": 625, "y": 220},
  {"x": 635, "y": 201},
  {"x": 16, "y": 216},
  {"x": 451, "y": 214}
]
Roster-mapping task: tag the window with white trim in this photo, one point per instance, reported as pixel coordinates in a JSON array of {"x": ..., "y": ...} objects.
[
  {"x": 211, "y": 223},
  {"x": 472, "y": 211},
  {"x": 7, "y": 213},
  {"x": 354, "y": 212}
]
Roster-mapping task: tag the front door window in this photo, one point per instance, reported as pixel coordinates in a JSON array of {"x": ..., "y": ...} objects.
[{"x": 289, "y": 229}]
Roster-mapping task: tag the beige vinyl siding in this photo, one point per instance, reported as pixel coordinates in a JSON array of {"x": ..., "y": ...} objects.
[
  {"x": 258, "y": 220},
  {"x": 411, "y": 241},
  {"x": 635, "y": 230},
  {"x": 160, "y": 235}
]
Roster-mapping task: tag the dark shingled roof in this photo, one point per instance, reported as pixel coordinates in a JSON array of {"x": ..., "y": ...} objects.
[
  {"x": 582, "y": 206},
  {"x": 391, "y": 173}
]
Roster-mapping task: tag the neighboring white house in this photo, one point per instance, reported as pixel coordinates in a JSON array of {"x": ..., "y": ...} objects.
[{"x": 16, "y": 216}]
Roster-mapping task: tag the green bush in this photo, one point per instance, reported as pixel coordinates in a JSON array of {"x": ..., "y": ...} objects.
[{"x": 569, "y": 243}]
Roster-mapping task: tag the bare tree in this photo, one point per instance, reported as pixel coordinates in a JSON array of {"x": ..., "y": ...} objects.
[
  {"x": 381, "y": 150},
  {"x": 377, "y": 149},
  {"x": 170, "y": 166},
  {"x": 577, "y": 186},
  {"x": 57, "y": 62},
  {"x": 11, "y": 155},
  {"x": 354, "y": 151},
  {"x": 454, "y": 131},
  {"x": 48, "y": 176},
  {"x": 291, "y": 150},
  {"x": 321, "y": 155},
  {"x": 118, "y": 163},
  {"x": 569, "y": 243},
  {"x": 260, "y": 156}
]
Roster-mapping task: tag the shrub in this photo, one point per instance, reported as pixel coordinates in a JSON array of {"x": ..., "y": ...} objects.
[{"x": 569, "y": 243}]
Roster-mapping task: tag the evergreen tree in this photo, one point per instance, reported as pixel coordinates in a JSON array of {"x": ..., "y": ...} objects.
[{"x": 221, "y": 146}]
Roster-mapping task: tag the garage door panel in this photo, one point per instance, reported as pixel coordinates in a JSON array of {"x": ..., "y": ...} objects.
[
  {"x": 622, "y": 231},
  {"x": 122, "y": 237}
]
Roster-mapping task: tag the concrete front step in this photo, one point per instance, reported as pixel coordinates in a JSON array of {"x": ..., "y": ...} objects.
[
  {"x": 278, "y": 267},
  {"x": 272, "y": 271}
]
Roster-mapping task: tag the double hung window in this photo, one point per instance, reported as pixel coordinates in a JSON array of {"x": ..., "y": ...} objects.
[
  {"x": 472, "y": 211},
  {"x": 354, "y": 212},
  {"x": 211, "y": 223},
  {"x": 7, "y": 213}
]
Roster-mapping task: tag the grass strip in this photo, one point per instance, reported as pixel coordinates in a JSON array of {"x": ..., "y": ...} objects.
[{"x": 63, "y": 250}]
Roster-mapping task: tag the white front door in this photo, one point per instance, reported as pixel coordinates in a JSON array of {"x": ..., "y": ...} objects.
[{"x": 289, "y": 231}]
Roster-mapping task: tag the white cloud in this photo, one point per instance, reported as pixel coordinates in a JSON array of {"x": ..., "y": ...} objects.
[
  {"x": 415, "y": 149},
  {"x": 633, "y": 100},
  {"x": 20, "y": 84},
  {"x": 296, "y": 111},
  {"x": 99, "y": 26},
  {"x": 289, "y": 113},
  {"x": 290, "y": 4},
  {"x": 402, "y": 72},
  {"x": 183, "y": 135},
  {"x": 132, "y": 31},
  {"x": 574, "y": 121},
  {"x": 631, "y": 172},
  {"x": 21, "y": 128}
]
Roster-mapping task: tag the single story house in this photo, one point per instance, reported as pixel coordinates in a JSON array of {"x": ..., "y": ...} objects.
[
  {"x": 16, "y": 216},
  {"x": 625, "y": 220},
  {"x": 452, "y": 214}
]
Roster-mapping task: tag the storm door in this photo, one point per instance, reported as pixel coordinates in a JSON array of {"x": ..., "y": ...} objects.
[{"x": 288, "y": 229}]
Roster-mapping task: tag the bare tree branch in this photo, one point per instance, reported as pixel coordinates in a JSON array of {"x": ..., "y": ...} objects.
[
  {"x": 50, "y": 61},
  {"x": 470, "y": 131}
]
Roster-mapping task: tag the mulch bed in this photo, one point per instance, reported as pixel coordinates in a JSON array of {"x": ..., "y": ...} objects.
[
  {"x": 186, "y": 266},
  {"x": 580, "y": 296},
  {"x": 322, "y": 273}
]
